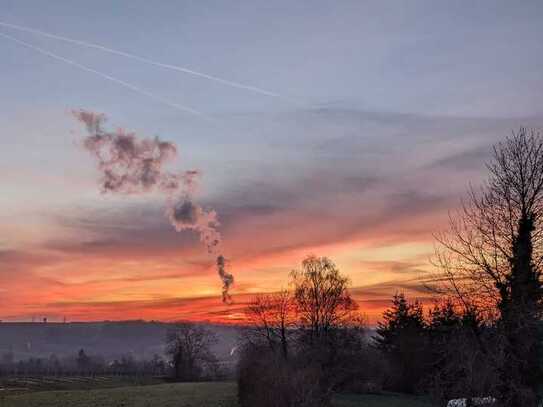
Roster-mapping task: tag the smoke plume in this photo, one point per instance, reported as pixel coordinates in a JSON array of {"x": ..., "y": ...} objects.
[
  {"x": 132, "y": 165},
  {"x": 185, "y": 214},
  {"x": 226, "y": 277}
]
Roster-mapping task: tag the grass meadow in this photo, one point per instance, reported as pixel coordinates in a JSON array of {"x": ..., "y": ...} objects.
[{"x": 217, "y": 394}]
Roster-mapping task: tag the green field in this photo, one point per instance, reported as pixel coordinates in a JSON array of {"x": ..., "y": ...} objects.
[
  {"x": 17, "y": 385},
  {"x": 175, "y": 395}
]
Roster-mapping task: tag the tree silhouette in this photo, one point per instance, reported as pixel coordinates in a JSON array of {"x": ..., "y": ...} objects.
[
  {"x": 322, "y": 299},
  {"x": 189, "y": 348},
  {"x": 402, "y": 340},
  {"x": 272, "y": 317},
  {"x": 493, "y": 254}
]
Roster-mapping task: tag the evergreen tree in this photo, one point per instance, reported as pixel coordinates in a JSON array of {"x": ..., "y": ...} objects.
[{"x": 402, "y": 340}]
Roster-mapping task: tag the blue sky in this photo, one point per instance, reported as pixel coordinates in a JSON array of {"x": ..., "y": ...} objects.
[{"x": 418, "y": 57}]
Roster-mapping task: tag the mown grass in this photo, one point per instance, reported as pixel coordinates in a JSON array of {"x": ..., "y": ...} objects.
[
  {"x": 220, "y": 394},
  {"x": 162, "y": 395},
  {"x": 22, "y": 384}
]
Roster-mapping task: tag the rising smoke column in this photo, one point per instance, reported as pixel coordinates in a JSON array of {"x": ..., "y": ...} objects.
[
  {"x": 132, "y": 165},
  {"x": 226, "y": 277}
]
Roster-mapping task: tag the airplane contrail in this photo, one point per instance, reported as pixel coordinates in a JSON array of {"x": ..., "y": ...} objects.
[
  {"x": 127, "y": 85},
  {"x": 145, "y": 60}
]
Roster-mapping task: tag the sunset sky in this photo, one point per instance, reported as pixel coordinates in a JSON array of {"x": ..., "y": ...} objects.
[{"x": 367, "y": 123}]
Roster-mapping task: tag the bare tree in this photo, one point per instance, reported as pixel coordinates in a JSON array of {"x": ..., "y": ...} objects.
[
  {"x": 303, "y": 346},
  {"x": 479, "y": 250},
  {"x": 493, "y": 254},
  {"x": 322, "y": 298},
  {"x": 272, "y": 320},
  {"x": 189, "y": 348}
]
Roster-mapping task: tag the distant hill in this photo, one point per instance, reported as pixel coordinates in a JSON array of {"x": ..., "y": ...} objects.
[{"x": 110, "y": 339}]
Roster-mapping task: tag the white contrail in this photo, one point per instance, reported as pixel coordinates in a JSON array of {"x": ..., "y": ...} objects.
[
  {"x": 130, "y": 86},
  {"x": 145, "y": 60}
]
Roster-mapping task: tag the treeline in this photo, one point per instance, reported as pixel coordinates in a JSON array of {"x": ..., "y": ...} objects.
[
  {"x": 449, "y": 352},
  {"x": 308, "y": 344},
  {"x": 83, "y": 364},
  {"x": 187, "y": 357}
]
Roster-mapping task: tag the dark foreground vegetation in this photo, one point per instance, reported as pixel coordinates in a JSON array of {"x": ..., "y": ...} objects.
[{"x": 482, "y": 338}]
